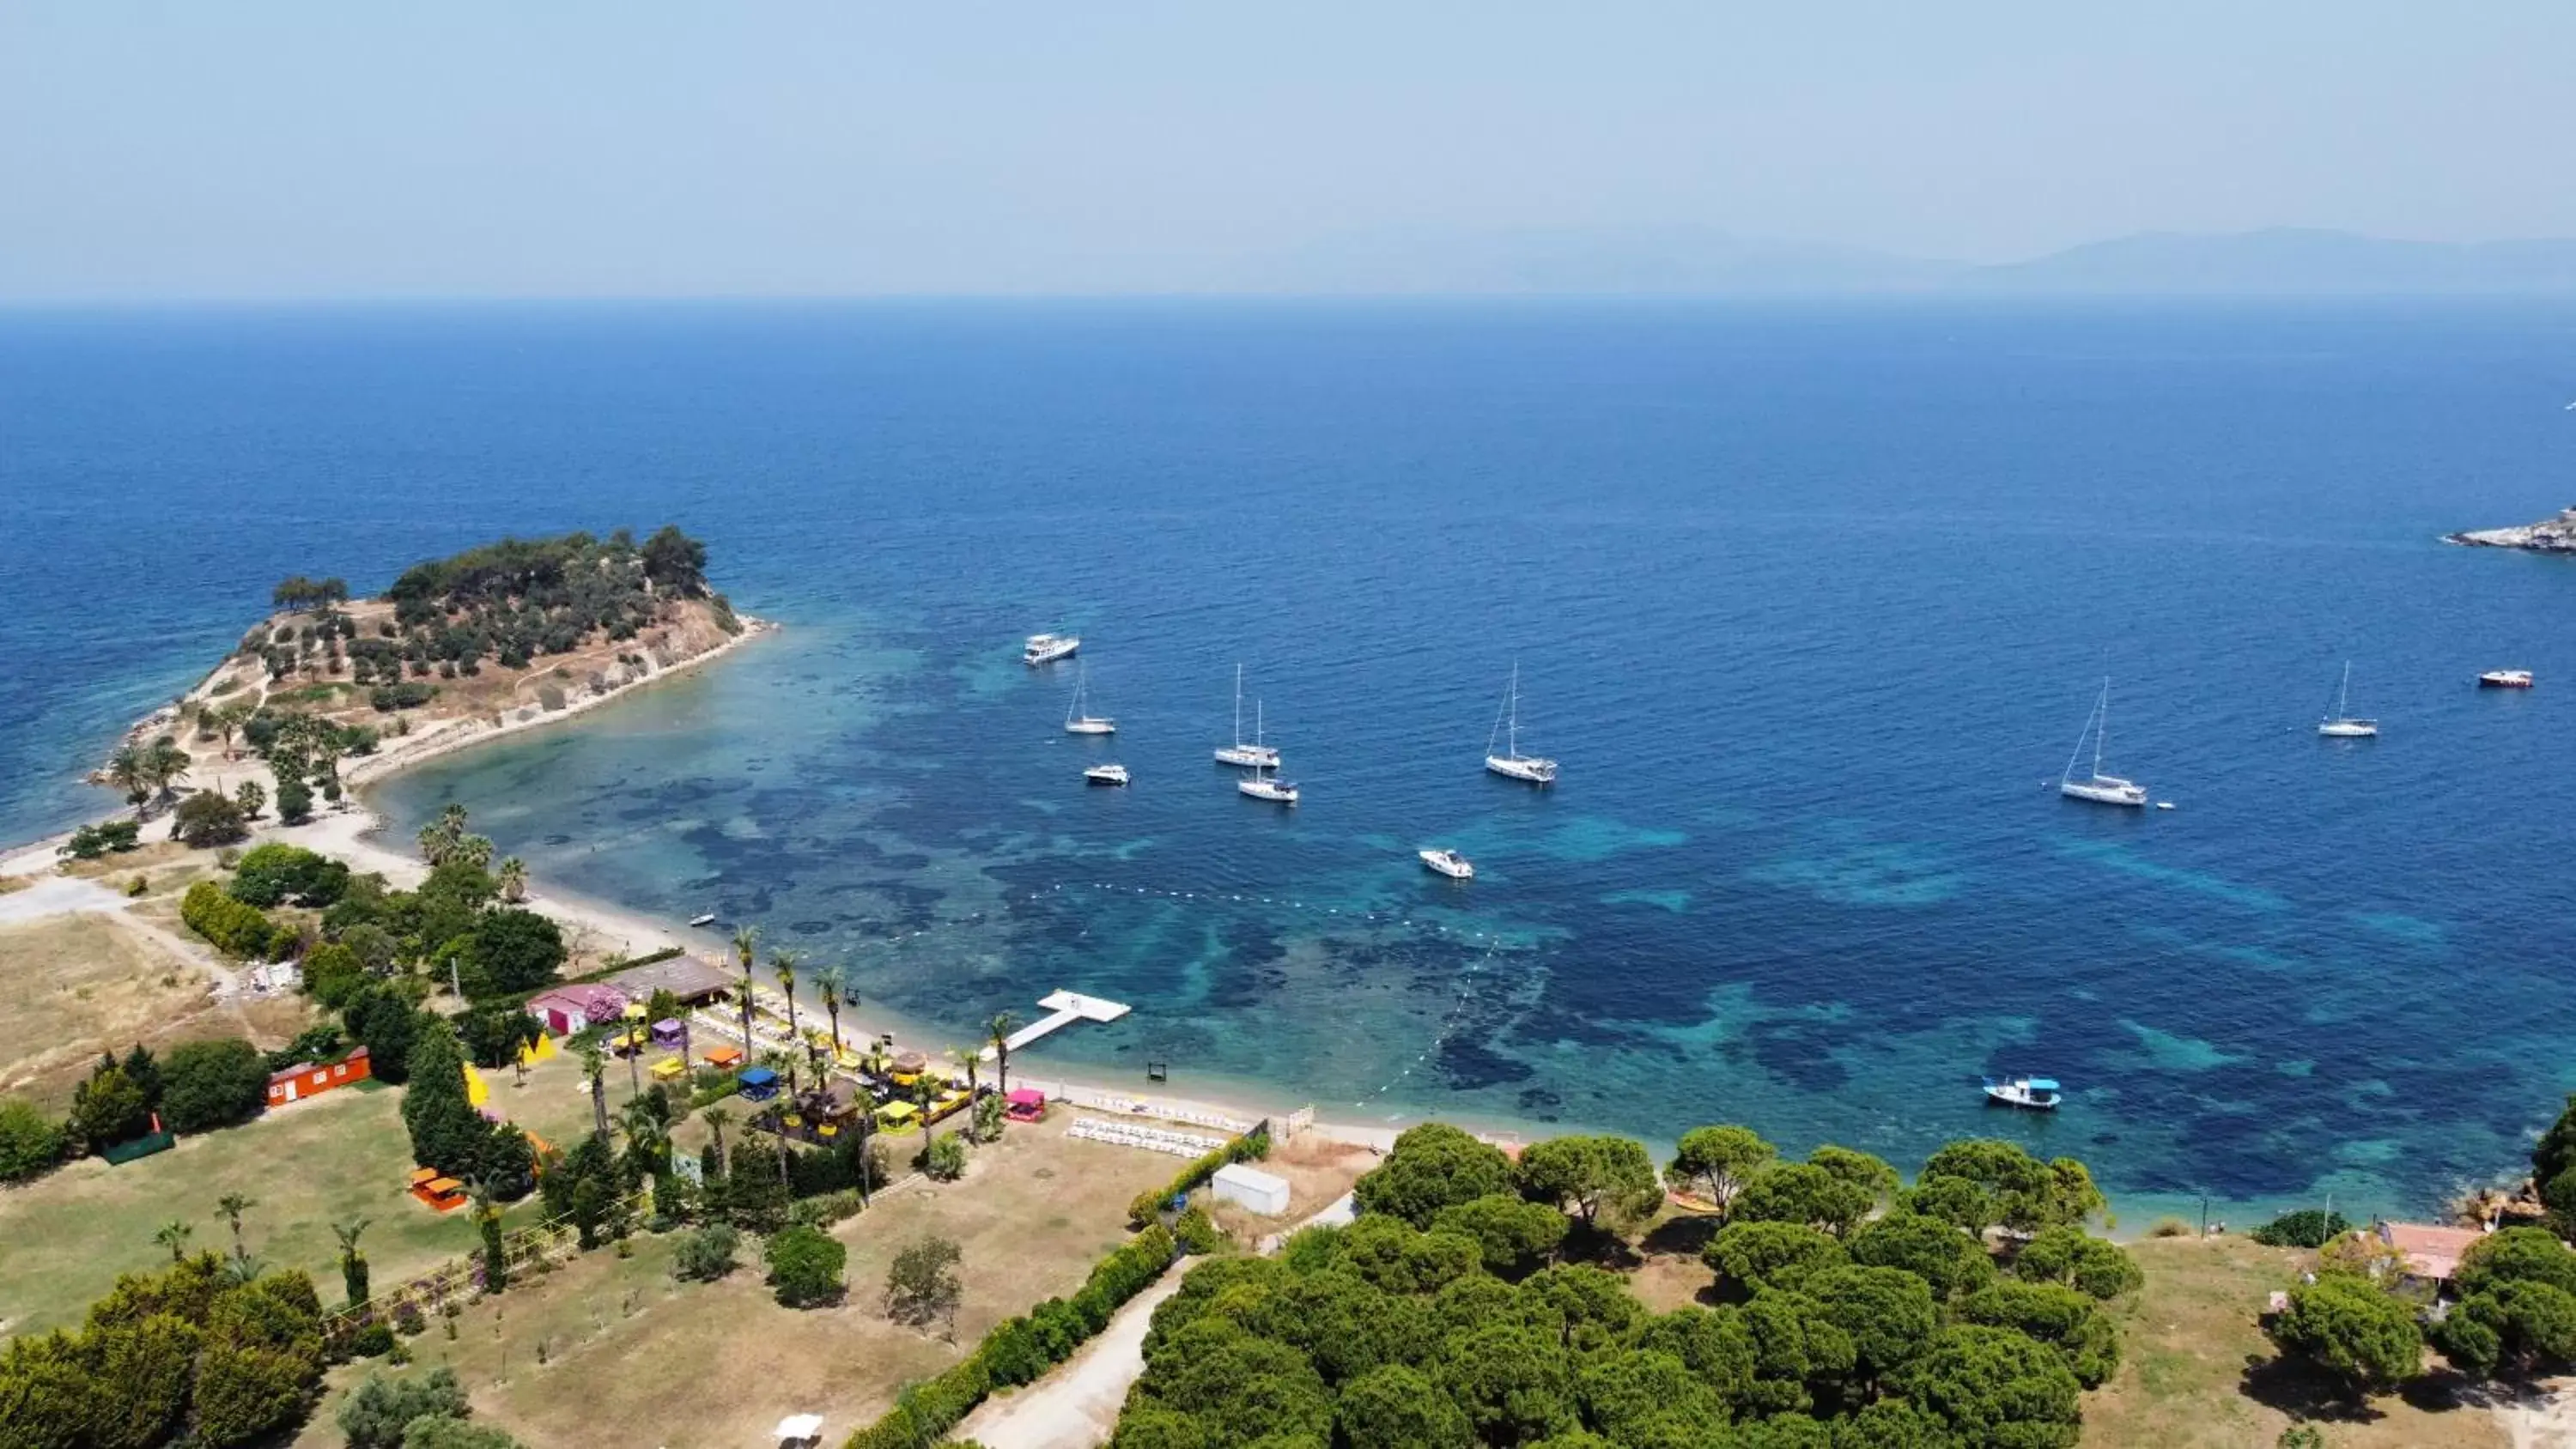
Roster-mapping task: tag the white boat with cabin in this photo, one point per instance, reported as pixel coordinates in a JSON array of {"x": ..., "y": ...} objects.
[
  {"x": 1253, "y": 756},
  {"x": 2037, "y": 1094},
  {"x": 1511, "y": 763},
  {"x": 2342, "y": 725},
  {"x": 1048, "y": 648},
  {"x": 1449, "y": 863},
  {"x": 1109, "y": 774},
  {"x": 2505, "y": 679},
  {"x": 2097, "y": 787},
  {"x": 1076, "y": 722}
]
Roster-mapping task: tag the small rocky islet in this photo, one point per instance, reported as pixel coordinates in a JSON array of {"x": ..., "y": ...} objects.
[{"x": 2550, "y": 535}]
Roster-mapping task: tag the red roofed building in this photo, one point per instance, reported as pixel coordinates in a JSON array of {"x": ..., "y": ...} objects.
[
  {"x": 2432, "y": 1253},
  {"x": 299, "y": 1082},
  {"x": 567, "y": 1009}
]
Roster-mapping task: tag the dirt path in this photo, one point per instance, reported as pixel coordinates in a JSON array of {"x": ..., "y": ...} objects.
[{"x": 1077, "y": 1406}]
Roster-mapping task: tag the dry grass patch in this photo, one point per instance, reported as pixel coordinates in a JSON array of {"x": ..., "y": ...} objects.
[
  {"x": 82, "y": 983},
  {"x": 634, "y": 1357},
  {"x": 1318, "y": 1173},
  {"x": 2188, "y": 1338}
]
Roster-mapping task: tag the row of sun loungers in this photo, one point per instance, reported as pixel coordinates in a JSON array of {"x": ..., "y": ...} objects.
[
  {"x": 1153, "y": 1139},
  {"x": 1228, "y": 1125}
]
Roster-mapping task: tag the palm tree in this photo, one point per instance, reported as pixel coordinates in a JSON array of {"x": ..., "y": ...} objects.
[
  {"x": 717, "y": 1120},
  {"x": 514, "y": 880},
  {"x": 832, "y": 983},
  {"x": 970, "y": 1059},
  {"x": 746, "y": 942},
  {"x": 439, "y": 838},
  {"x": 130, "y": 770},
  {"x": 783, "y": 963},
  {"x": 169, "y": 764},
  {"x": 474, "y": 850},
  {"x": 232, "y": 1205},
  {"x": 174, "y": 1235},
  {"x": 353, "y": 1264},
  {"x": 1002, "y": 1027},
  {"x": 634, "y": 1049},
  {"x": 225, "y": 720},
  {"x": 595, "y": 1066}
]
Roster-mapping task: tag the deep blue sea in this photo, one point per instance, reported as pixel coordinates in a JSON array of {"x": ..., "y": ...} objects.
[{"x": 1809, "y": 601}]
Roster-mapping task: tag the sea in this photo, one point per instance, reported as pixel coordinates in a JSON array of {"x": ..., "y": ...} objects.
[{"x": 1811, "y": 601}]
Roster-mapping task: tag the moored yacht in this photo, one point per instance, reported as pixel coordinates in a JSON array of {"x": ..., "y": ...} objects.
[
  {"x": 1077, "y": 722},
  {"x": 1255, "y": 756},
  {"x": 1109, "y": 774},
  {"x": 1449, "y": 863},
  {"x": 1047, "y": 648},
  {"x": 2341, "y": 725},
  {"x": 2038, "y": 1094},
  {"x": 1267, "y": 787},
  {"x": 2097, "y": 787},
  {"x": 1511, "y": 763},
  {"x": 2505, "y": 679}
]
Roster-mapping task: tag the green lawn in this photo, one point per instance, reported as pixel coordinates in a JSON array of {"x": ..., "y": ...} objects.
[{"x": 339, "y": 1156}]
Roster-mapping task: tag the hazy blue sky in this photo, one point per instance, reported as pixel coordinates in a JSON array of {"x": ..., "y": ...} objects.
[{"x": 577, "y": 148}]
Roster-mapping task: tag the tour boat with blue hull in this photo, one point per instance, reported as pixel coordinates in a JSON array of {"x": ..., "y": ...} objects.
[{"x": 2035, "y": 1094}]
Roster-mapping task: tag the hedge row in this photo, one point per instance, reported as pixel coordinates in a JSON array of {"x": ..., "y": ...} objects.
[
  {"x": 1251, "y": 1146},
  {"x": 234, "y": 928},
  {"x": 1019, "y": 1350}
]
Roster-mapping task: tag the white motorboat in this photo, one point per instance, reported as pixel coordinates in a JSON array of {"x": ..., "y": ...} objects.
[
  {"x": 1254, "y": 756},
  {"x": 1511, "y": 763},
  {"x": 706, "y": 919},
  {"x": 2097, "y": 787},
  {"x": 1449, "y": 863},
  {"x": 2038, "y": 1094},
  {"x": 1106, "y": 774},
  {"x": 2341, "y": 725},
  {"x": 1048, "y": 648},
  {"x": 1076, "y": 722},
  {"x": 2505, "y": 679}
]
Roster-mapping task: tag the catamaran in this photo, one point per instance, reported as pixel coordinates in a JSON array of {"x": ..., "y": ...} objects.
[
  {"x": 1507, "y": 723},
  {"x": 2097, "y": 787},
  {"x": 1047, "y": 648},
  {"x": 1261, "y": 786},
  {"x": 1449, "y": 863},
  {"x": 2341, "y": 725},
  {"x": 2039, "y": 1094},
  {"x": 1078, "y": 723},
  {"x": 1253, "y": 756}
]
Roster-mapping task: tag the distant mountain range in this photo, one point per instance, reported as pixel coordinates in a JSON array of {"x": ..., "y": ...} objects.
[{"x": 1686, "y": 261}]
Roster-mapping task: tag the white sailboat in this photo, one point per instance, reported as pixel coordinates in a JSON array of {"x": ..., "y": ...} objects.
[
  {"x": 1078, "y": 723},
  {"x": 1261, "y": 786},
  {"x": 2097, "y": 787},
  {"x": 2341, "y": 725},
  {"x": 1252, "y": 756},
  {"x": 1511, "y": 763}
]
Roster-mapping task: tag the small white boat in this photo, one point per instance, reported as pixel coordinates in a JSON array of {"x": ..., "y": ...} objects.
[
  {"x": 2505, "y": 679},
  {"x": 2341, "y": 725},
  {"x": 1047, "y": 648},
  {"x": 2038, "y": 1094},
  {"x": 1511, "y": 763},
  {"x": 1449, "y": 863},
  {"x": 707, "y": 919},
  {"x": 2097, "y": 787},
  {"x": 1076, "y": 722},
  {"x": 1106, "y": 774},
  {"x": 1255, "y": 756}
]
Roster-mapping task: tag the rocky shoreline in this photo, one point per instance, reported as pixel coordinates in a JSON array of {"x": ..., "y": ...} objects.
[{"x": 2550, "y": 535}]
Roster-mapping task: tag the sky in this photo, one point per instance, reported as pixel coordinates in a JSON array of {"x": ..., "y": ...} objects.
[{"x": 299, "y": 149}]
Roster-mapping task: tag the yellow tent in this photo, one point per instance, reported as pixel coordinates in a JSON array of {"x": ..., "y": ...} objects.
[
  {"x": 476, "y": 1093},
  {"x": 537, "y": 1051}
]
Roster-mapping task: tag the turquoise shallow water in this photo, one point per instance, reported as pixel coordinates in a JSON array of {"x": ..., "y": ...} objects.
[{"x": 1809, "y": 602}]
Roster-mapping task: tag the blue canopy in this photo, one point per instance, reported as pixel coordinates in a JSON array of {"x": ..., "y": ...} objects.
[
  {"x": 2037, "y": 1084},
  {"x": 758, "y": 1077}
]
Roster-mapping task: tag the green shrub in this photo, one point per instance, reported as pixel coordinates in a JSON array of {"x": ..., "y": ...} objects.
[
  {"x": 234, "y": 929},
  {"x": 209, "y": 1084},
  {"x": 825, "y": 1209},
  {"x": 375, "y": 1413},
  {"x": 271, "y": 874},
  {"x": 2306, "y": 1228},
  {"x": 706, "y": 1253},
  {"x": 805, "y": 1266},
  {"x": 92, "y": 841},
  {"x": 1197, "y": 1233},
  {"x": 30, "y": 1142},
  {"x": 206, "y": 818},
  {"x": 943, "y": 1159}
]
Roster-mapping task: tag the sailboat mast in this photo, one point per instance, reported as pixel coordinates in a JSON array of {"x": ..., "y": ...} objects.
[
  {"x": 1512, "y": 741},
  {"x": 1238, "y": 705},
  {"x": 2102, "y": 728},
  {"x": 2343, "y": 696}
]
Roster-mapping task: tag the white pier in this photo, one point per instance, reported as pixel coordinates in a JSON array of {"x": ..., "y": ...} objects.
[{"x": 1064, "y": 1008}]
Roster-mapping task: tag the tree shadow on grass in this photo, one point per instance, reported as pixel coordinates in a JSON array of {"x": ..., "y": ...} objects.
[
  {"x": 2300, "y": 1390},
  {"x": 1600, "y": 1247},
  {"x": 1680, "y": 1237}
]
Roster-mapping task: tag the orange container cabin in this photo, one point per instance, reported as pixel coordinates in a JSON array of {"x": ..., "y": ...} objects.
[
  {"x": 307, "y": 1080},
  {"x": 445, "y": 1194}
]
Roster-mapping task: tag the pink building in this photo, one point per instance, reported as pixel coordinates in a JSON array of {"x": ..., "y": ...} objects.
[{"x": 568, "y": 1009}]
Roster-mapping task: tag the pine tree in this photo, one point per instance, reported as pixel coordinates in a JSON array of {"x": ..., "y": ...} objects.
[{"x": 446, "y": 1132}]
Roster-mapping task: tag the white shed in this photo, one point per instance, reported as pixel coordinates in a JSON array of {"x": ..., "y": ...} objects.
[{"x": 1254, "y": 1189}]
